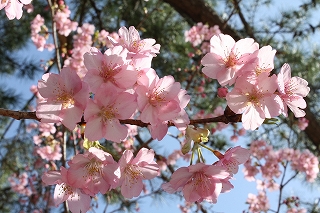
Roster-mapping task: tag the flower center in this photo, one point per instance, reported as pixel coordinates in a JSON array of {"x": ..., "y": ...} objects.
[
  {"x": 290, "y": 87},
  {"x": 200, "y": 181},
  {"x": 93, "y": 169},
  {"x": 107, "y": 113},
  {"x": 108, "y": 71},
  {"x": 230, "y": 61},
  {"x": 254, "y": 97},
  {"x": 132, "y": 174},
  {"x": 155, "y": 98},
  {"x": 66, "y": 99},
  {"x": 137, "y": 46},
  {"x": 65, "y": 189}
]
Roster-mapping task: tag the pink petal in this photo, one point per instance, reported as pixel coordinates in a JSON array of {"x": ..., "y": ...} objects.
[
  {"x": 251, "y": 118},
  {"x": 51, "y": 177},
  {"x": 115, "y": 131},
  {"x": 94, "y": 129},
  {"x": 130, "y": 189},
  {"x": 79, "y": 202},
  {"x": 221, "y": 44}
]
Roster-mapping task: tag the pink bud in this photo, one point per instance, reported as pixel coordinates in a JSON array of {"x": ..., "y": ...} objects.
[{"x": 222, "y": 92}]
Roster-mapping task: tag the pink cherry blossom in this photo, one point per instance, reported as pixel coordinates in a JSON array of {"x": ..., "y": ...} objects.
[
  {"x": 20, "y": 184},
  {"x": 162, "y": 97},
  {"x": 130, "y": 39},
  {"x": 110, "y": 67},
  {"x": 201, "y": 34},
  {"x": 263, "y": 62},
  {"x": 292, "y": 90},
  {"x": 159, "y": 98},
  {"x": 255, "y": 100},
  {"x": 182, "y": 119},
  {"x": 50, "y": 152},
  {"x": 198, "y": 182},
  {"x": 295, "y": 210},
  {"x": 306, "y": 162},
  {"x": 227, "y": 57},
  {"x": 82, "y": 43},
  {"x": 76, "y": 199},
  {"x": 135, "y": 169},
  {"x": 250, "y": 171},
  {"x": 258, "y": 203},
  {"x": 64, "y": 25},
  {"x": 104, "y": 111},
  {"x": 65, "y": 98},
  {"x": 233, "y": 158},
  {"x": 94, "y": 171},
  {"x": 13, "y": 8},
  {"x": 303, "y": 123}
]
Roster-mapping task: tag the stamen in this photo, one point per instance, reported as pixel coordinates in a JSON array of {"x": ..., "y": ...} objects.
[{"x": 132, "y": 174}]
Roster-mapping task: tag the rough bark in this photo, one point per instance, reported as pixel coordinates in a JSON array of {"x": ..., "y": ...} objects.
[
  {"x": 199, "y": 11},
  {"x": 313, "y": 129}
]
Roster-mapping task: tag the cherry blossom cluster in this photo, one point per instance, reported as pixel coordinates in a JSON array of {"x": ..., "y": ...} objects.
[
  {"x": 257, "y": 93},
  {"x": 25, "y": 184},
  {"x": 62, "y": 19},
  {"x": 201, "y": 182},
  {"x": 101, "y": 89},
  {"x": 96, "y": 171},
  {"x": 13, "y": 8},
  {"x": 40, "y": 34},
  {"x": 20, "y": 184},
  {"x": 272, "y": 164},
  {"x": 82, "y": 42},
  {"x": 119, "y": 84},
  {"x": 201, "y": 34},
  {"x": 300, "y": 161}
]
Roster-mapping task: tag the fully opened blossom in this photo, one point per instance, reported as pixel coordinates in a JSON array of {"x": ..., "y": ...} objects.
[
  {"x": 65, "y": 98},
  {"x": 93, "y": 171},
  {"x": 263, "y": 63},
  {"x": 198, "y": 182},
  {"x": 162, "y": 97},
  {"x": 110, "y": 67},
  {"x": 292, "y": 90},
  {"x": 138, "y": 48},
  {"x": 104, "y": 111},
  {"x": 255, "y": 99},
  {"x": 76, "y": 199},
  {"x": 233, "y": 158},
  {"x": 135, "y": 169},
  {"x": 13, "y": 8},
  {"x": 227, "y": 57},
  {"x": 159, "y": 98}
]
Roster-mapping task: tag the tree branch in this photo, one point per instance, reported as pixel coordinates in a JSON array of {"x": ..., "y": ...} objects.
[
  {"x": 247, "y": 27},
  {"x": 18, "y": 115},
  {"x": 228, "y": 117},
  {"x": 199, "y": 11}
]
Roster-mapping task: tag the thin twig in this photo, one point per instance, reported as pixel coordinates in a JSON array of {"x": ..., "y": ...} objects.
[{"x": 55, "y": 36}]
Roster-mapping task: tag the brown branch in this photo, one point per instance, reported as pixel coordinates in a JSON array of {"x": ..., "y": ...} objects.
[
  {"x": 228, "y": 117},
  {"x": 200, "y": 11},
  {"x": 247, "y": 27},
  {"x": 18, "y": 115}
]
